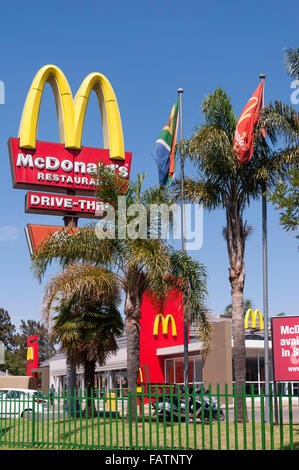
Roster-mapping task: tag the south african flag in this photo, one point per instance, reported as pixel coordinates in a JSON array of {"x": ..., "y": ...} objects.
[{"x": 164, "y": 150}]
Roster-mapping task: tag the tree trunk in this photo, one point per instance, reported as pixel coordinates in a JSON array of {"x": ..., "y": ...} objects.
[
  {"x": 132, "y": 313},
  {"x": 235, "y": 234},
  {"x": 70, "y": 385},
  {"x": 89, "y": 373}
]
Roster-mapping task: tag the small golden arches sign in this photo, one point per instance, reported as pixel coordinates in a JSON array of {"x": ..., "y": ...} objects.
[{"x": 254, "y": 315}]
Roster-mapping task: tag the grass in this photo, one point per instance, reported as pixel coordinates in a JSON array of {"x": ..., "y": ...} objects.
[{"x": 116, "y": 433}]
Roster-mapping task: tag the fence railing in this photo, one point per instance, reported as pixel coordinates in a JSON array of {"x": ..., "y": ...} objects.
[{"x": 167, "y": 417}]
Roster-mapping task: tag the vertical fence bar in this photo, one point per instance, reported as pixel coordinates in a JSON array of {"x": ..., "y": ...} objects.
[
  {"x": 19, "y": 420},
  {"x": 253, "y": 417},
  {"x": 280, "y": 416},
  {"x": 210, "y": 417},
  {"x": 244, "y": 416},
  {"x": 262, "y": 418},
  {"x": 136, "y": 417},
  {"x": 104, "y": 418},
  {"x": 194, "y": 417},
  {"x": 15, "y": 421},
  {"x": 33, "y": 421},
  {"x": 98, "y": 415},
  {"x": 116, "y": 418},
  {"x": 271, "y": 416},
  {"x": 235, "y": 416},
  {"x": 291, "y": 416},
  {"x": 227, "y": 416},
  {"x": 149, "y": 394},
  {"x": 130, "y": 420},
  {"x": 171, "y": 417},
  {"x": 164, "y": 413},
  {"x": 179, "y": 417},
  {"x": 142, "y": 416},
  {"x": 157, "y": 418},
  {"x": 187, "y": 415},
  {"x": 202, "y": 417},
  {"x": 110, "y": 417},
  {"x": 123, "y": 418},
  {"x": 218, "y": 416}
]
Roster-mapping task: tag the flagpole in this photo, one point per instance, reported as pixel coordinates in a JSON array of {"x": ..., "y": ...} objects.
[
  {"x": 265, "y": 294},
  {"x": 183, "y": 228}
]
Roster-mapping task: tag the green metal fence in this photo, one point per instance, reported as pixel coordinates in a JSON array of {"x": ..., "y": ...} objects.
[{"x": 211, "y": 420}]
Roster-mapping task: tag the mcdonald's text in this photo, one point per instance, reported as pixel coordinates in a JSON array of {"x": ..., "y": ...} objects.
[{"x": 58, "y": 169}]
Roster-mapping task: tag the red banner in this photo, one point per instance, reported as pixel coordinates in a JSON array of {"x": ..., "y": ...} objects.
[
  {"x": 36, "y": 234},
  {"x": 32, "y": 355},
  {"x": 51, "y": 167},
  {"x": 244, "y": 136},
  {"x": 285, "y": 348},
  {"x": 53, "y": 204}
]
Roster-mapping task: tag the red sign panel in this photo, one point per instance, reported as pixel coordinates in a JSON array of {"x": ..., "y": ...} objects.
[
  {"x": 36, "y": 234},
  {"x": 32, "y": 356},
  {"x": 158, "y": 331},
  {"x": 285, "y": 348},
  {"x": 53, "y": 204},
  {"x": 51, "y": 167}
]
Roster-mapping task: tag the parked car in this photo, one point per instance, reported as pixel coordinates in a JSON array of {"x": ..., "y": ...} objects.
[{"x": 17, "y": 402}]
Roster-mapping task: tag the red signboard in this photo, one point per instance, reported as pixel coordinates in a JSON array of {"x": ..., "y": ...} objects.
[
  {"x": 160, "y": 331},
  {"x": 285, "y": 348},
  {"x": 36, "y": 234},
  {"x": 32, "y": 356},
  {"x": 51, "y": 167},
  {"x": 53, "y": 204}
]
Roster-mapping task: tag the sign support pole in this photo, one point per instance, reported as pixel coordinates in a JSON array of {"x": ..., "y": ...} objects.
[{"x": 183, "y": 227}]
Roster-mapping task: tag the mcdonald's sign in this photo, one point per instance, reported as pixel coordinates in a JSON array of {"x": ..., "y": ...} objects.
[
  {"x": 165, "y": 324},
  {"x": 253, "y": 315},
  {"x": 30, "y": 354},
  {"x": 67, "y": 165}
]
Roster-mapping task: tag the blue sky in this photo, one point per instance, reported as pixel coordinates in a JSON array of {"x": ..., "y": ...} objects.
[{"x": 147, "y": 49}]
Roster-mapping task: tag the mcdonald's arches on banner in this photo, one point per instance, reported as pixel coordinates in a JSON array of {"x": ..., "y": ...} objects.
[
  {"x": 67, "y": 165},
  {"x": 30, "y": 354},
  {"x": 253, "y": 315},
  {"x": 165, "y": 324}
]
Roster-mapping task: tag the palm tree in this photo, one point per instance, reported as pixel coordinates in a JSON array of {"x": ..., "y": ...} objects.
[
  {"x": 142, "y": 264},
  {"x": 223, "y": 183},
  {"x": 87, "y": 331},
  {"x": 292, "y": 62},
  {"x": 247, "y": 305},
  {"x": 86, "y": 298}
]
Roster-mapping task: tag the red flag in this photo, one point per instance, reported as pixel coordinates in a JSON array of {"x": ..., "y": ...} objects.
[{"x": 244, "y": 135}]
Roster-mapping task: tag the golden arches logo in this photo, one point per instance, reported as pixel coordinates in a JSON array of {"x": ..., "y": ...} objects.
[
  {"x": 254, "y": 315},
  {"x": 30, "y": 354},
  {"x": 71, "y": 113},
  {"x": 165, "y": 324}
]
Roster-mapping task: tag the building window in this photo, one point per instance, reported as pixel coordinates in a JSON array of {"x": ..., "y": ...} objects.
[
  {"x": 120, "y": 382},
  {"x": 174, "y": 370}
]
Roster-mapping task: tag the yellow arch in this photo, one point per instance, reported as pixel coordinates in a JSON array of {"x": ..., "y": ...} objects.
[
  {"x": 254, "y": 315},
  {"x": 29, "y": 354},
  {"x": 165, "y": 322},
  {"x": 112, "y": 128},
  {"x": 71, "y": 114}
]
